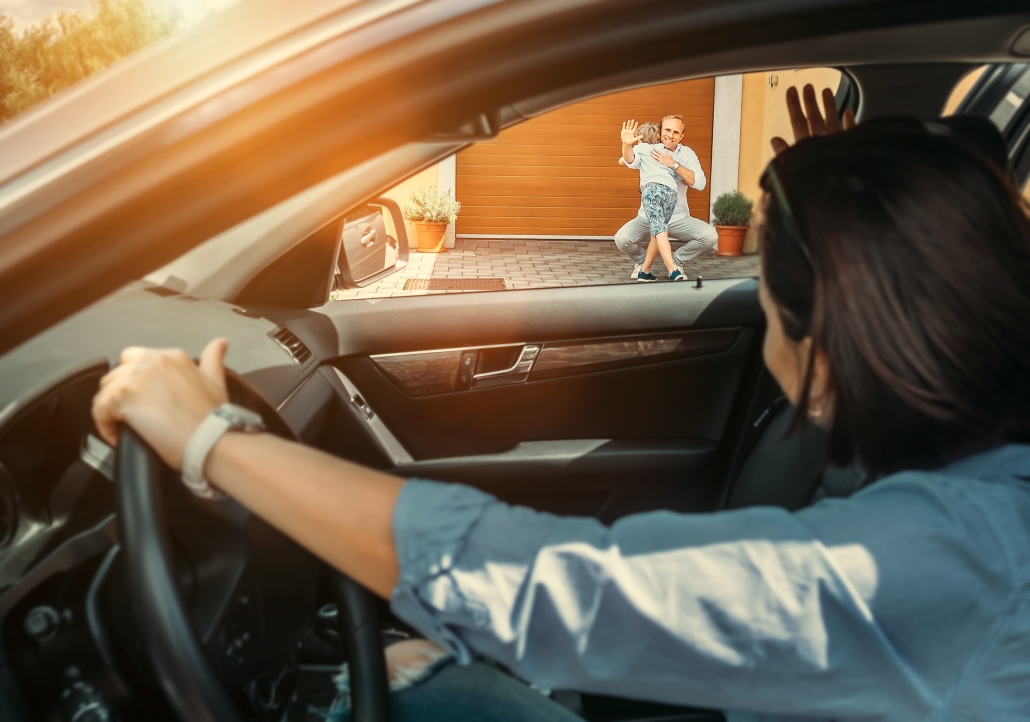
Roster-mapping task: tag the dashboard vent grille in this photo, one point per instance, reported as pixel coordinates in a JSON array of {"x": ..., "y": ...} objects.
[{"x": 293, "y": 345}]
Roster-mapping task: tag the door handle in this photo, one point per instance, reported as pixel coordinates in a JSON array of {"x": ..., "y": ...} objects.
[
  {"x": 368, "y": 236},
  {"x": 516, "y": 373}
]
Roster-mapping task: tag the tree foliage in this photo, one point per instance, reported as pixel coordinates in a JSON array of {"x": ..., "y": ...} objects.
[{"x": 67, "y": 47}]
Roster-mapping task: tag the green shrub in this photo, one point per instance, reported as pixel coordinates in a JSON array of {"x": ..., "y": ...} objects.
[
  {"x": 65, "y": 48},
  {"x": 428, "y": 205},
  {"x": 732, "y": 209}
]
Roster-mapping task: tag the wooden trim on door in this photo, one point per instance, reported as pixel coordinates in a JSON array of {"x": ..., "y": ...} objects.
[
  {"x": 579, "y": 357},
  {"x": 427, "y": 373},
  {"x": 423, "y": 373}
]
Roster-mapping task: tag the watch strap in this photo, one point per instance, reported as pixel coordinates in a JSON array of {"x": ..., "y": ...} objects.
[{"x": 211, "y": 429}]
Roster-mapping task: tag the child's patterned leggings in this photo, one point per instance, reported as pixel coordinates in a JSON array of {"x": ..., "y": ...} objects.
[{"x": 659, "y": 202}]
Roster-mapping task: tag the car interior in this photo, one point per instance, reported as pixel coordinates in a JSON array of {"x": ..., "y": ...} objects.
[{"x": 234, "y": 201}]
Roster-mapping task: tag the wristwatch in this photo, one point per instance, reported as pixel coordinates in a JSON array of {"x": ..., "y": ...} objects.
[
  {"x": 675, "y": 165},
  {"x": 227, "y": 417}
]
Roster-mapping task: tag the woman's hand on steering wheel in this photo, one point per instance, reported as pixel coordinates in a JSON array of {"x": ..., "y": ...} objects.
[
  {"x": 809, "y": 121},
  {"x": 163, "y": 395}
]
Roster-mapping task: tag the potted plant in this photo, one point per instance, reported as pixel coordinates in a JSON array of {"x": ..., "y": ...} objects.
[
  {"x": 731, "y": 215},
  {"x": 431, "y": 211}
]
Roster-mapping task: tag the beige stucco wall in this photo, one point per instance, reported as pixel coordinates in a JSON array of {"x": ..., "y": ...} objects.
[
  {"x": 962, "y": 89},
  {"x": 763, "y": 116},
  {"x": 400, "y": 192},
  {"x": 752, "y": 136}
]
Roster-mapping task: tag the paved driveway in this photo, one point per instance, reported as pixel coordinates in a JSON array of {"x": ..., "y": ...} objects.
[{"x": 530, "y": 264}]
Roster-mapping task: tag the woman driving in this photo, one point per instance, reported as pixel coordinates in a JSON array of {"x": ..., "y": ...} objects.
[{"x": 894, "y": 286}]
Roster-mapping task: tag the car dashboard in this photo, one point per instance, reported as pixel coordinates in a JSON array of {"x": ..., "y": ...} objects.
[{"x": 65, "y": 642}]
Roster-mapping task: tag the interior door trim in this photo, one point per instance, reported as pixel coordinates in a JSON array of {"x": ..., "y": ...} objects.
[
  {"x": 568, "y": 358},
  {"x": 575, "y": 465},
  {"x": 514, "y": 374},
  {"x": 427, "y": 373},
  {"x": 390, "y": 444}
]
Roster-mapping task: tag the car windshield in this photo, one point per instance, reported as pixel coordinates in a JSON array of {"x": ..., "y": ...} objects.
[{"x": 49, "y": 45}]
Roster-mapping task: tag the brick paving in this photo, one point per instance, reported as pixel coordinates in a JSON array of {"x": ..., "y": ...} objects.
[{"x": 539, "y": 264}]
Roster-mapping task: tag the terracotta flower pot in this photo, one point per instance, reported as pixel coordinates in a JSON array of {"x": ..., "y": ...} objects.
[
  {"x": 731, "y": 240},
  {"x": 431, "y": 237}
]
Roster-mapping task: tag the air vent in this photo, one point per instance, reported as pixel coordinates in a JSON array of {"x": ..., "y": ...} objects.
[{"x": 293, "y": 345}]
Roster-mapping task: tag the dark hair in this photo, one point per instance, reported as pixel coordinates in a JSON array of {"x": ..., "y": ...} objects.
[
  {"x": 916, "y": 287},
  {"x": 981, "y": 135}
]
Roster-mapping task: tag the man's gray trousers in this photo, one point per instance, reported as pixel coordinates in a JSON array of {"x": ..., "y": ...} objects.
[{"x": 697, "y": 236}]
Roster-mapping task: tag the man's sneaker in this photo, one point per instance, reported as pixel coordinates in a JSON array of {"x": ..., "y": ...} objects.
[
  {"x": 645, "y": 277},
  {"x": 636, "y": 270},
  {"x": 677, "y": 274}
]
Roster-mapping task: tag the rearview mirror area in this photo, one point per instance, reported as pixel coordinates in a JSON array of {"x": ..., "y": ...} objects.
[{"x": 373, "y": 244}]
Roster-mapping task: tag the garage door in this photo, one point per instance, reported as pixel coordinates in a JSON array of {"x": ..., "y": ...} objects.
[{"x": 558, "y": 174}]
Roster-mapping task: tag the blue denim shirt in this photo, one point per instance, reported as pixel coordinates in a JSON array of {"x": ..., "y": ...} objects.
[{"x": 908, "y": 601}]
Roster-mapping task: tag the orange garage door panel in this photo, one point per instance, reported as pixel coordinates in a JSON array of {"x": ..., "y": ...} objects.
[{"x": 559, "y": 174}]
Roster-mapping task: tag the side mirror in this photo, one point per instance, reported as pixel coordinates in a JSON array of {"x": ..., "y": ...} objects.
[{"x": 367, "y": 250}]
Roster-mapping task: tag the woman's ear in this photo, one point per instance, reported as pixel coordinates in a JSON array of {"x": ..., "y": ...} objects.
[{"x": 820, "y": 395}]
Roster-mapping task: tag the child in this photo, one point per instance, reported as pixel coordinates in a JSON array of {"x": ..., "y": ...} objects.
[{"x": 658, "y": 196}]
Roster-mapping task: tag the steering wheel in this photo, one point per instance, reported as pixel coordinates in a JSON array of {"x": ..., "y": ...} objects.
[{"x": 202, "y": 665}]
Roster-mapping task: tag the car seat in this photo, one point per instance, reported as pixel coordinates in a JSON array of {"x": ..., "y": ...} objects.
[{"x": 790, "y": 471}]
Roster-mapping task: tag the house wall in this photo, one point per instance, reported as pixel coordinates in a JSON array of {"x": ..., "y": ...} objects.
[
  {"x": 752, "y": 136},
  {"x": 962, "y": 90},
  {"x": 400, "y": 192},
  {"x": 725, "y": 136},
  {"x": 764, "y": 117}
]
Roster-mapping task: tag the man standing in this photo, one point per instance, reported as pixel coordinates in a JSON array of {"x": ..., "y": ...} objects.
[{"x": 698, "y": 237}]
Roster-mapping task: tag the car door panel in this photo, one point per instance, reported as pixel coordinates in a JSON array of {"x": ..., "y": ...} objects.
[
  {"x": 625, "y": 404},
  {"x": 591, "y": 460},
  {"x": 591, "y": 477},
  {"x": 667, "y": 451},
  {"x": 682, "y": 399},
  {"x": 632, "y": 400}
]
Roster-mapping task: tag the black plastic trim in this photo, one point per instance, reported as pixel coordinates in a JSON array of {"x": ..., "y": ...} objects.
[
  {"x": 576, "y": 464},
  {"x": 420, "y": 323},
  {"x": 73, "y": 551},
  {"x": 847, "y": 97},
  {"x": 990, "y": 88}
]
